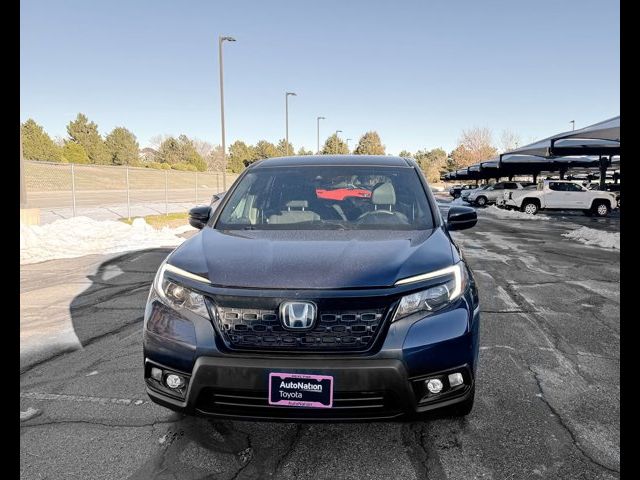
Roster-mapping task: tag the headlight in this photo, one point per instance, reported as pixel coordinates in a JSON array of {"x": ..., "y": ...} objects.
[
  {"x": 453, "y": 284},
  {"x": 178, "y": 296}
]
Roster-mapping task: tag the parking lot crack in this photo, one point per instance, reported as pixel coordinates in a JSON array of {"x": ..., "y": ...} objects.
[
  {"x": 291, "y": 444},
  {"x": 558, "y": 415},
  {"x": 97, "y": 423}
]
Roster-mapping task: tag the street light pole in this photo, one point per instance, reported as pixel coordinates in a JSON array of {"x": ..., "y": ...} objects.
[
  {"x": 286, "y": 115},
  {"x": 224, "y": 147},
  {"x": 573, "y": 124},
  {"x": 318, "y": 119}
]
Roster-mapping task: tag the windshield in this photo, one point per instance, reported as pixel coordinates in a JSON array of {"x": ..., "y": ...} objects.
[{"x": 323, "y": 198}]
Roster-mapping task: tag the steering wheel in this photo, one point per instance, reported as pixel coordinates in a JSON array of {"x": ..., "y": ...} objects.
[{"x": 384, "y": 215}]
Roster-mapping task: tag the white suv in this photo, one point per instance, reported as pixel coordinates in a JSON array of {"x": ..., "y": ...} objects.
[
  {"x": 562, "y": 195},
  {"x": 493, "y": 193}
]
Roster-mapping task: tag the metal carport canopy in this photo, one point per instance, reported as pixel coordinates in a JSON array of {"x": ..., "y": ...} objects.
[{"x": 602, "y": 138}]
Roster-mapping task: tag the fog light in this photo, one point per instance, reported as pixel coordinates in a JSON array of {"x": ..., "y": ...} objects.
[
  {"x": 156, "y": 374},
  {"x": 455, "y": 379},
  {"x": 174, "y": 381},
  {"x": 434, "y": 385}
]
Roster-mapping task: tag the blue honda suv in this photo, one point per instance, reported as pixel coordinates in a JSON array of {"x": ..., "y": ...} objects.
[{"x": 319, "y": 288}]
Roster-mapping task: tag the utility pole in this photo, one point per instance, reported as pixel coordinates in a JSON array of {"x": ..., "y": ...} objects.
[
  {"x": 286, "y": 115},
  {"x": 318, "y": 119},
  {"x": 224, "y": 147}
]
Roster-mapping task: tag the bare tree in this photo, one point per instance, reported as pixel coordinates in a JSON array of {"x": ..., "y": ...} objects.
[
  {"x": 215, "y": 160},
  {"x": 157, "y": 140},
  {"x": 202, "y": 147},
  {"x": 475, "y": 145},
  {"x": 509, "y": 140}
]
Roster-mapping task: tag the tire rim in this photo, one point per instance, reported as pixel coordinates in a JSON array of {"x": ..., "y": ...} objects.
[
  {"x": 602, "y": 209},
  {"x": 481, "y": 201},
  {"x": 530, "y": 208}
]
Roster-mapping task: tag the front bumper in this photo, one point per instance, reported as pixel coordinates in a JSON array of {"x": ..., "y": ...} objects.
[
  {"x": 383, "y": 385},
  {"x": 364, "y": 390}
]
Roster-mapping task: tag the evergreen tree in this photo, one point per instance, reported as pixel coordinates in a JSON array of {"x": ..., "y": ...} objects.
[
  {"x": 73, "y": 152},
  {"x": 370, "y": 144},
  {"x": 335, "y": 146},
  {"x": 122, "y": 147},
  {"x": 169, "y": 151},
  {"x": 85, "y": 133},
  {"x": 37, "y": 145},
  {"x": 264, "y": 149},
  {"x": 302, "y": 151},
  {"x": 282, "y": 148},
  {"x": 240, "y": 155}
]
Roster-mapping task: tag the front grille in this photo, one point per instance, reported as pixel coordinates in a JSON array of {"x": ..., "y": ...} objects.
[
  {"x": 255, "y": 403},
  {"x": 258, "y": 329}
]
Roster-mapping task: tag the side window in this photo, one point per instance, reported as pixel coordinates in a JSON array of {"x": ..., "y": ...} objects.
[
  {"x": 498, "y": 186},
  {"x": 510, "y": 186},
  {"x": 555, "y": 186},
  {"x": 572, "y": 187}
]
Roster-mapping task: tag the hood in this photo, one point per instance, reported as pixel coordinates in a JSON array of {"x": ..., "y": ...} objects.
[{"x": 312, "y": 259}]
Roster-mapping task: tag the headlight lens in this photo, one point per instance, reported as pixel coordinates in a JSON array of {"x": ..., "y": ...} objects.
[
  {"x": 454, "y": 282},
  {"x": 178, "y": 296}
]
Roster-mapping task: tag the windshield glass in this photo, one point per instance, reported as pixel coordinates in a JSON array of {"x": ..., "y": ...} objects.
[{"x": 323, "y": 198}]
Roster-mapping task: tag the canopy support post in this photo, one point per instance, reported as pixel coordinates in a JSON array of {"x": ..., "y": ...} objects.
[{"x": 604, "y": 163}]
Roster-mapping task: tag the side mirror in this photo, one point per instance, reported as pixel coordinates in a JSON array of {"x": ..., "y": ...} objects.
[
  {"x": 461, "y": 218},
  {"x": 199, "y": 216}
]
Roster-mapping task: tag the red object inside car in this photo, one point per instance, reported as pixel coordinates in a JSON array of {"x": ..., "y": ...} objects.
[{"x": 342, "y": 193}]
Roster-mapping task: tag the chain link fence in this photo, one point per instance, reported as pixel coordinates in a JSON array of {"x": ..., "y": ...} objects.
[{"x": 51, "y": 185}]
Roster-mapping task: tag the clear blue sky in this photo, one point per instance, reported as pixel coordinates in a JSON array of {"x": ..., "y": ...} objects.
[{"x": 418, "y": 72}]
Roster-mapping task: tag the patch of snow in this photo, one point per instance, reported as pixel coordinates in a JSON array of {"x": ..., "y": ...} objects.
[
  {"x": 79, "y": 236},
  {"x": 598, "y": 238},
  {"x": 458, "y": 201},
  {"x": 180, "y": 230},
  {"x": 162, "y": 439},
  {"x": 504, "y": 213},
  {"x": 29, "y": 413}
]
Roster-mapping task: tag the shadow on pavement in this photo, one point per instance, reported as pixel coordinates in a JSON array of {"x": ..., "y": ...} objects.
[{"x": 117, "y": 295}]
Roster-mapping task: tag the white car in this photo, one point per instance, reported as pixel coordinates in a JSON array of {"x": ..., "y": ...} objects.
[
  {"x": 464, "y": 195},
  {"x": 492, "y": 193},
  {"x": 562, "y": 195}
]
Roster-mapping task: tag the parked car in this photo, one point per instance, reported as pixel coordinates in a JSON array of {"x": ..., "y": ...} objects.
[
  {"x": 608, "y": 187},
  {"x": 563, "y": 195},
  {"x": 493, "y": 192},
  {"x": 287, "y": 305},
  {"x": 456, "y": 190},
  {"x": 464, "y": 195}
]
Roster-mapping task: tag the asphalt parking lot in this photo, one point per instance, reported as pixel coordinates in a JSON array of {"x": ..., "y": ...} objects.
[{"x": 547, "y": 404}]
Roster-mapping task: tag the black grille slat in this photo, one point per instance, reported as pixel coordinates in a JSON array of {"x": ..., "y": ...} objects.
[
  {"x": 348, "y": 404},
  {"x": 260, "y": 329}
]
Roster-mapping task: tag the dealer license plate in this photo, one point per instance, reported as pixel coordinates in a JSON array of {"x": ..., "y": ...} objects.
[{"x": 300, "y": 390}]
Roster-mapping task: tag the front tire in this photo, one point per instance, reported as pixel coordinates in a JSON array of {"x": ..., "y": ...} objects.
[
  {"x": 601, "y": 209},
  {"x": 481, "y": 201},
  {"x": 530, "y": 207}
]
